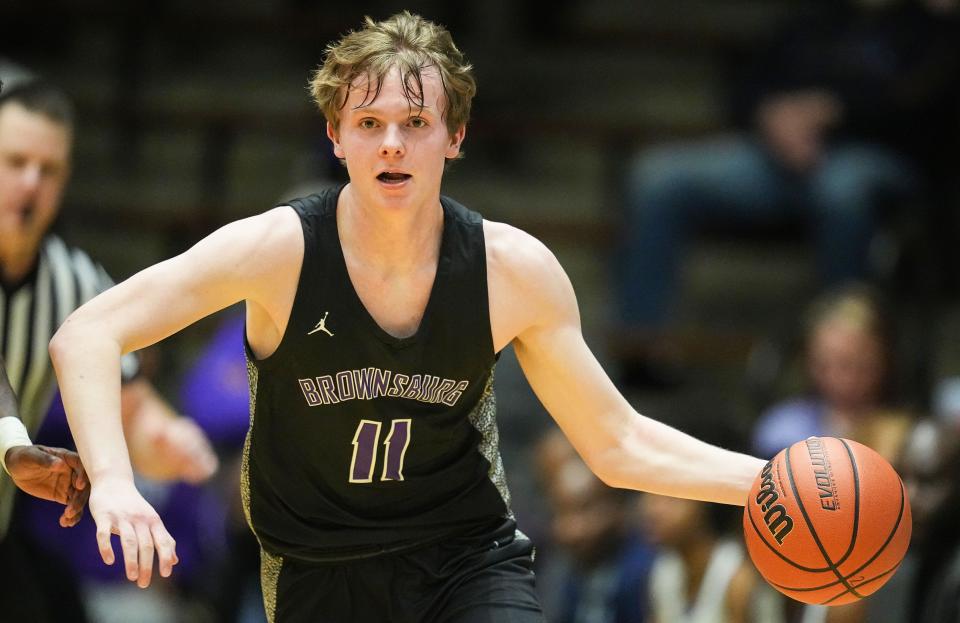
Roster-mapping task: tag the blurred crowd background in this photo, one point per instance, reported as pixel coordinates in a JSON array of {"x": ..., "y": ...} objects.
[{"x": 756, "y": 201}]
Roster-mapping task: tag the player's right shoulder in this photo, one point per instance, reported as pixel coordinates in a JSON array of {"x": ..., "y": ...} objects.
[
  {"x": 260, "y": 245},
  {"x": 275, "y": 230},
  {"x": 277, "y": 224}
]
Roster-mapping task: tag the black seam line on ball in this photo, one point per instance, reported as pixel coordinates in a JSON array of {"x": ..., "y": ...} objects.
[
  {"x": 780, "y": 555},
  {"x": 864, "y": 583},
  {"x": 837, "y": 583},
  {"x": 893, "y": 532},
  {"x": 813, "y": 531},
  {"x": 856, "y": 501}
]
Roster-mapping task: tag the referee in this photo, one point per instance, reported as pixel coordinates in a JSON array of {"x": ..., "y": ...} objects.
[
  {"x": 43, "y": 280},
  {"x": 52, "y": 474}
]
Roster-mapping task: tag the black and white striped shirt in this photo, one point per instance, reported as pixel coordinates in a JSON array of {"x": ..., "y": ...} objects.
[{"x": 64, "y": 279}]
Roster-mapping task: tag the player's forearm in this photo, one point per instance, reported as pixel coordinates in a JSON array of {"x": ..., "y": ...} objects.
[
  {"x": 651, "y": 456},
  {"x": 88, "y": 372}
]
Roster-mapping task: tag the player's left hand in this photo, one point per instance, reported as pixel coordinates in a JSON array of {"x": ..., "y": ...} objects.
[
  {"x": 51, "y": 474},
  {"x": 183, "y": 443}
]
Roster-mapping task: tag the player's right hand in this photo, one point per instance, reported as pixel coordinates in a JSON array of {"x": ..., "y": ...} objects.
[{"x": 118, "y": 508}]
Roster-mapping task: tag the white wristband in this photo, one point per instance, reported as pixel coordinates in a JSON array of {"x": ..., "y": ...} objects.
[{"x": 12, "y": 433}]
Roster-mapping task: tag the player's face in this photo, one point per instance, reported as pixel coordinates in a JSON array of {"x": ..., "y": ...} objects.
[
  {"x": 34, "y": 164},
  {"x": 395, "y": 151}
]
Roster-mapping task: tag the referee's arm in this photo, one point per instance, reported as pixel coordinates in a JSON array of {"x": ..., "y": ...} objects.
[
  {"x": 52, "y": 474},
  {"x": 8, "y": 400}
]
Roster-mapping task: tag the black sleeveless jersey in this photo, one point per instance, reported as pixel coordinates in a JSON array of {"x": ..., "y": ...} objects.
[{"x": 360, "y": 442}]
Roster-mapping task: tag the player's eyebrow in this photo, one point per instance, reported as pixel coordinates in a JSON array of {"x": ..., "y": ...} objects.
[{"x": 373, "y": 110}]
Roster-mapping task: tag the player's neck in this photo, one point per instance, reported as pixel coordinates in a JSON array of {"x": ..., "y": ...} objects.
[{"x": 389, "y": 238}]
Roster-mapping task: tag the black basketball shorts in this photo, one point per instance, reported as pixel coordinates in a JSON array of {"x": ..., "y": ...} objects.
[{"x": 471, "y": 578}]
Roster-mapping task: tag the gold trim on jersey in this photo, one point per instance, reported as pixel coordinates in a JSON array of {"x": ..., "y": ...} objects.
[
  {"x": 484, "y": 419},
  {"x": 270, "y": 565}
]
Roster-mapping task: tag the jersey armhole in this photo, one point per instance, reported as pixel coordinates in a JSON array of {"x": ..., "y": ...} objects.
[{"x": 267, "y": 361}]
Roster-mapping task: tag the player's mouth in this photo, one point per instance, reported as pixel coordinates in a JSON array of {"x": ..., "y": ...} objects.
[{"x": 393, "y": 178}]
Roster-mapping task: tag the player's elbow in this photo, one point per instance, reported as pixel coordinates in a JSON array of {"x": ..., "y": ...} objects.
[
  {"x": 66, "y": 341},
  {"x": 61, "y": 344},
  {"x": 625, "y": 464},
  {"x": 607, "y": 463}
]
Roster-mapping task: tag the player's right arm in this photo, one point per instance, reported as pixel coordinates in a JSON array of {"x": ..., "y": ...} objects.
[{"x": 256, "y": 260}]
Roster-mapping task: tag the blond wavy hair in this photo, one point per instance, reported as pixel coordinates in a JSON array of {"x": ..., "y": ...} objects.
[{"x": 407, "y": 42}]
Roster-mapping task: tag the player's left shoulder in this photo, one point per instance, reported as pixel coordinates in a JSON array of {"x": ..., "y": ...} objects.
[
  {"x": 527, "y": 285},
  {"x": 515, "y": 255}
]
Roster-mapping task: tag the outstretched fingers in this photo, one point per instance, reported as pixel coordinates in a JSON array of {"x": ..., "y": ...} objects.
[
  {"x": 118, "y": 508},
  {"x": 104, "y": 530},
  {"x": 166, "y": 548},
  {"x": 139, "y": 539},
  {"x": 129, "y": 544},
  {"x": 145, "y": 551}
]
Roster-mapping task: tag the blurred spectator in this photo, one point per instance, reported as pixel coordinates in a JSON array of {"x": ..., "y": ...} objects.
[
  {"x": 930, "y": 467},
  {"x": 699, "y": 576},
  {"x": 606, "y": 560},
  {"x": 849, "y": 369},
  {"x": 702, "y": 573},
  {"x": 927, "y": 585},
  {"x": 946, "y": 401},
  {"x": 849, "y": 108}
]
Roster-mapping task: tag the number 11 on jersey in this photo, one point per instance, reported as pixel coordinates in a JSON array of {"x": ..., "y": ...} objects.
[{"x": 365, "y": 444}]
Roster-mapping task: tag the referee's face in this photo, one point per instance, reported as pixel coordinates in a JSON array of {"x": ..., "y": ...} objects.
[{"x": 34, "y": 164}]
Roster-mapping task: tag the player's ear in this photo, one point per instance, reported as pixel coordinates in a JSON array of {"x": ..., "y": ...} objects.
[
  {"x": 456, "y": 139},
  {"x": 334, "y": 137}
]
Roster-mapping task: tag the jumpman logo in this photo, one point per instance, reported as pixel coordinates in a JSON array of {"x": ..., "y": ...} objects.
[{"x": 322, "y": 326}]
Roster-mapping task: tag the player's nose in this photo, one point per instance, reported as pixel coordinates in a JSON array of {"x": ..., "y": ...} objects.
[{"x": 392, "y": 143}]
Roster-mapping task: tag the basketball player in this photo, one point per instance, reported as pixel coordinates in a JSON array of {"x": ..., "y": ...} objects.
[{"x": 375, "y": 313}]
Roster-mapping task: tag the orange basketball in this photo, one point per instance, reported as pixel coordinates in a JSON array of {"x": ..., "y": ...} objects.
[{"x": 827, "y": 521}]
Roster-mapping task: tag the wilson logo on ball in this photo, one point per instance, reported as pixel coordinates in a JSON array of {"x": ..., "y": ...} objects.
[
  {"x": 823, "y": 474},
  {"x": 775, "y": 515}
]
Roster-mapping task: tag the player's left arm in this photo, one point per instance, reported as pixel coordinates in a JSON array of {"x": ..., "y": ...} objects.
[
  {"x": 624, "y": 448},
  {"x": 163, "y": 445}
]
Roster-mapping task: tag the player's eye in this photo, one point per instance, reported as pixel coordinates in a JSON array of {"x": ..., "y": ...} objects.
[
  {"x": 418, "y": 122},
  {"x": 368, "y": 124}
]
